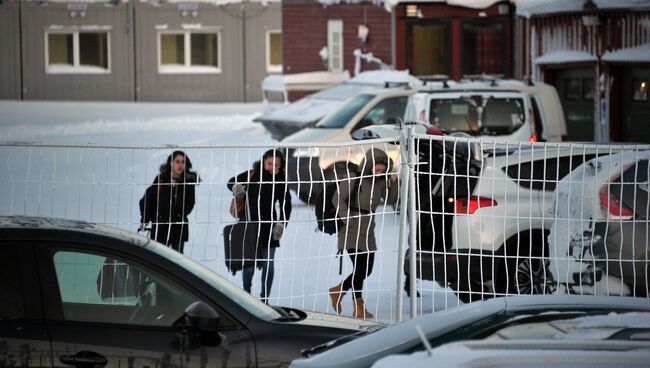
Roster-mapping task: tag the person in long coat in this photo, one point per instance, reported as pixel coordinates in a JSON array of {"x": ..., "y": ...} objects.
[
  {"x": 169, "y": 200},
  {"x": 264, "y": 186},
  {"x": 356, "y": 200}
]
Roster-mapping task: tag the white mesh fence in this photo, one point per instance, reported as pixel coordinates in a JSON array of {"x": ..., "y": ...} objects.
[{"x": 490, "y": 218}]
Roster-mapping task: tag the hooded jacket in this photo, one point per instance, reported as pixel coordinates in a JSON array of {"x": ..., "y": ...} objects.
[{"x": 357, "y": 200}]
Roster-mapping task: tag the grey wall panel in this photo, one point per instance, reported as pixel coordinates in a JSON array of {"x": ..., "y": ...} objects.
[
  {"x": 10, "y": 46},
  {"x": 154, "y": 86},
  {"x": 40, "y": 85},
  {"x": 259, "y": 19}
]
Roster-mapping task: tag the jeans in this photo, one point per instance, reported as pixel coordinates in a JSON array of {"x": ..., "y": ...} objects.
[{"x": 267, "y": 257}]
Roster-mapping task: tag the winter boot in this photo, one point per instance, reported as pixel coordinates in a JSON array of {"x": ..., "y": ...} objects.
[
  {"x": 360, "y": 309},
  {"x": 336, "y": 294}
]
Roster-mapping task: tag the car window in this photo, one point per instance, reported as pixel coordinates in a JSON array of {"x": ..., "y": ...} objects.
[
  {"x": 546, "y": 173},
  {"x": 341, "y": 116},
  {"x": 99, "y": 288},
  {"x": 386, "y": 112},
  {"x": 11, "y": 299},
  {"x": 476, "y": 113}
]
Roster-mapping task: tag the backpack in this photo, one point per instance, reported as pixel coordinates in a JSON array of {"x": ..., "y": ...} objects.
[{"x": 326, "y": 212}]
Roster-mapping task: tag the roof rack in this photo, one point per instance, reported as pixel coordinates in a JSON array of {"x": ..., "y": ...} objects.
[
  {"x": 435, "y": 78},
  {"x": 389, "y": 84}
]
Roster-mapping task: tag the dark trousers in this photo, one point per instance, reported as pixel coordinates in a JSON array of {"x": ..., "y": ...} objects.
[{"x": 362, "y": 263}]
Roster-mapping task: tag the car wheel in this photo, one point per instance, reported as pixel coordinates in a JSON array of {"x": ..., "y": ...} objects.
[{"x": 528, "y": 275}]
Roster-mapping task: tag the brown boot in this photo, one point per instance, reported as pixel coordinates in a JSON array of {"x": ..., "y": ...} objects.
[
  {"x": 360, "y": 309},
  {"x": 336, "y": 294}
]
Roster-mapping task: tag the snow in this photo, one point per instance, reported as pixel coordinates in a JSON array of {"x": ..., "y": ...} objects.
[
  {"x": 564, "y": 56},
  {"x": 103, "y": 185},
  {"x": 638, "y": 54},
  {"x": 303, "y": 81},
  {"x": 529, "y": 8},
  {"x": 390, "y": 4}
]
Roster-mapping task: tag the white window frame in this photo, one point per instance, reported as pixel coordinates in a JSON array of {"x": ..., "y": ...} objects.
[
  {"x": 334, "y": 26},
  {"x": 76, "y": 67},
  {"x": 187, "y": 67},
  {"x": 272, "y": 68}
]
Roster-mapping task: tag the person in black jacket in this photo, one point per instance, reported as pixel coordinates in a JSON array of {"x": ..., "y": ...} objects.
[
  {"x": 168, "y": 201},
  {"x": 263, "y": 186}
]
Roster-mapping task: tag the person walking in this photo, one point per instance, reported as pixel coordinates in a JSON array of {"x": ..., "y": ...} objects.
[
  {"x": 169, "y": 200},
  {"x": 264, "y": 186},
  {"x": 356, "y": 202}
]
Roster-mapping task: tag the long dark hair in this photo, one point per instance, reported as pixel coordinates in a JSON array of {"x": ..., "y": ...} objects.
[
  {"x": 188, "y": 175},
  {"x": 274, "y": 152}
]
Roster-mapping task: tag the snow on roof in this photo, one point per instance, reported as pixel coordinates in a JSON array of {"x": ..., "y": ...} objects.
[
  {"x": 529, "y": 8},
  {"x": 565, "y": 56},
  {"x": 380, "y": 77},
  {"x": 636, "y": 54},
  {"x": 390, "y": 4},
  {"x": 303, "y": 81}
]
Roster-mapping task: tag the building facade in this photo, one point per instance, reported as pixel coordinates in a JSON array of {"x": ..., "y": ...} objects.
[
  {"x": 597, "y": 54},
  {"x": 174, "y": 50}
]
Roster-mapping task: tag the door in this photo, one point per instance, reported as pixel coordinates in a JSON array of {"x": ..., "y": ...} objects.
[
  {"x": 576, "y": 90},
  {"x": 113, "y": 311},
  {"x": 23, "y": 338},
  {"x": 430, "y": 51},
  {"x": 635, "y": 117}
]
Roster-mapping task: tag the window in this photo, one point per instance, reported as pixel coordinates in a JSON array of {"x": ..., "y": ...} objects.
[
  {"x": 77, "y": 52},
  {"x": 98, "y": 288},
  {"x": 189, "y": 52},
  {"x": 484, "y": 48},
  {"x": 11, "y": 298},
  {"x": 587, "y": 89},
  {"x": 273, "y": 51},
  {"x": 545, "y": 174},
  {"x": 430, "y": 45},
  {"x": 386, "y": 112},
  {"x": 341, "y": 116},
  {"x": 572, "y": 89},
  {"x": 476, "y": 113},
  {"x": 335, "y": 45},
  {"x": 640, "y": 92}
]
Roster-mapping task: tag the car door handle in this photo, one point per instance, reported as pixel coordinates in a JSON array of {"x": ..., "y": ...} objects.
[{"x": 85, "y": 359}]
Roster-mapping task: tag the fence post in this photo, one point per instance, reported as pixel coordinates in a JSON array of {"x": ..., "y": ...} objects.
[
  {"x": 401, "y": 250},
  {"x": 412, "y": 222}
]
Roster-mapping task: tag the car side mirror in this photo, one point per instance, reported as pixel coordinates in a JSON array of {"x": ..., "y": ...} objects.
[
  {"x": 202, "y": 321},
  {"x": 363, "y": 123}
]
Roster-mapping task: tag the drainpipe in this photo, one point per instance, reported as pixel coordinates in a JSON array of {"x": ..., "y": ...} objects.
[{"x": 242, "y": 16}]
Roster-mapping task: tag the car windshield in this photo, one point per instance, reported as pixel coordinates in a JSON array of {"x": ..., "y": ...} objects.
[
  {"x": 341, "y": 116},
  {"x": 228, "y": 289},
  {"x": 477, "y": 114}
]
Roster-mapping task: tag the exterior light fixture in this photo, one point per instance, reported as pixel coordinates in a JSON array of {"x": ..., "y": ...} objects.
[{"x": 412, "y": 11}]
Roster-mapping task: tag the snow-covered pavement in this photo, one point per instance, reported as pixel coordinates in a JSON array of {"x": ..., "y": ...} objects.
[{"x": 103, "y": 184}]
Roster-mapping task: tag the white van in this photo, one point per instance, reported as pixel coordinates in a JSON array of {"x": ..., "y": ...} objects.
[{"x": 503, "y": 110}]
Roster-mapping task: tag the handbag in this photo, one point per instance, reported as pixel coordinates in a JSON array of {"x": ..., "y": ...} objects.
[{"x": 237, "y": 205}]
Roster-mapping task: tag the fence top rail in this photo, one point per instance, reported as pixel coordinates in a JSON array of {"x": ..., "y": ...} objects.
[{"x": 195, "y": 146}]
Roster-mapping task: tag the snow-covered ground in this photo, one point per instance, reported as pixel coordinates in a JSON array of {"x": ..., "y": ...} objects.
[{"x": 102, "y": 182}]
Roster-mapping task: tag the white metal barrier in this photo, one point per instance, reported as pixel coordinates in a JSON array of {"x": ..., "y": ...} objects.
[{"x": 489, "y": 218}]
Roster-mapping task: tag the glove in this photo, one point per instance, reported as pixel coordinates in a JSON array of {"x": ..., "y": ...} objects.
[
  {"x": 278, "y": 229},
  {"x": 238, "y": 190}
]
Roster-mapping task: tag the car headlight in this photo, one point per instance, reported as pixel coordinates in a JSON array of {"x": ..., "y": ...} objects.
[{"x": 306, "y": 152}]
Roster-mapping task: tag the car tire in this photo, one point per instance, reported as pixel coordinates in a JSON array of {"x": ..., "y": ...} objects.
[{"x": 524, "y": 272}]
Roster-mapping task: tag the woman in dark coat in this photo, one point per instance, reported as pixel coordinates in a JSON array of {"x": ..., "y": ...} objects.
[
  {"x": 356, "y": 203},
  {"x": 264, "y": 185},
  {"x": 168, "y": 201}
]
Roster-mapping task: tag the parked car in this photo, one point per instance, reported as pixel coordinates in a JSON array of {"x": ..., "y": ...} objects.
[
  {"x": 283, "y": 121},
  {"x": 484, "y": 218},
  {"x": 599, "y": 240},
  {"x": 503, "y": 110},
  {"x": 627, "y": 348},
  {"x": 88, "y": 295},
  {"x": 318, "y": 162},
  {"x": 475, "y": 321}
]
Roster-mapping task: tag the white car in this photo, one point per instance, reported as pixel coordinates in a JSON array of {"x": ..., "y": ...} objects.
[
  {"x": 504, "y": 110},
  {"x": 320, "y": 160},
  {"x": 599, "y": 242},
  {"x": 490, "y": 216}
]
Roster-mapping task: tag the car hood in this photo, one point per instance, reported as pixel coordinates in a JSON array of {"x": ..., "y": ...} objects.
[
  {"x": 317, "y": 135},
  {"x": 336, "y": 321}
]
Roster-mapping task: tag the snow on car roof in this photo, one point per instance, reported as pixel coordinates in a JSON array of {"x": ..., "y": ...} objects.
[{"x": 529, "y": 8}]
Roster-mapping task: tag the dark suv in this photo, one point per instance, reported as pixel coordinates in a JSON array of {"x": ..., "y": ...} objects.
[{"x": 84, "y": 295}]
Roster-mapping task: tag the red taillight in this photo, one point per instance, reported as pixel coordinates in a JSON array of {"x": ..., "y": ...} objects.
[
  {"x": 467, "y": 206},
  {"x": 533, "y": 138},
  {"x": 616, "y": 209}
]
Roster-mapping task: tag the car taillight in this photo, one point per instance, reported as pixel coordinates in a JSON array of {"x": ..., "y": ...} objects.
[
  {"x": 467, "y": 206},
  {"x": 533, "y": 138},
  {"x": 616, "y": 209}
]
